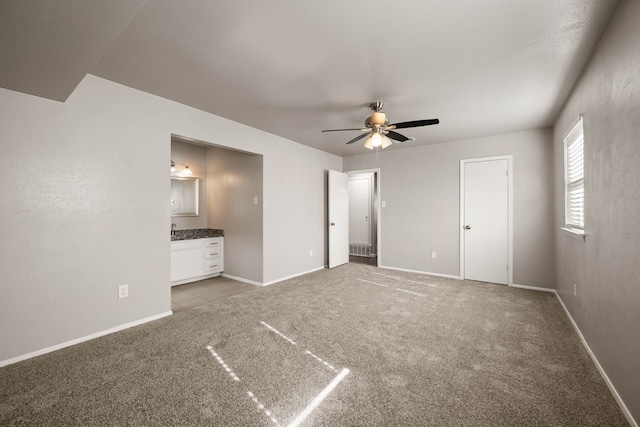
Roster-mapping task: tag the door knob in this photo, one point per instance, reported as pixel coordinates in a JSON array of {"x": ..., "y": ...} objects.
[
  {"x": 332, "y": 224},
  {"x": 467, "y": 227}
]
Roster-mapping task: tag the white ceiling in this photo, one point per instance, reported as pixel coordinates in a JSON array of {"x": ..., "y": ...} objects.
[{"x": 293, "y": 68}]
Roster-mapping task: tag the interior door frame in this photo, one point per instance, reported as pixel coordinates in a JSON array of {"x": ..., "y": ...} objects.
[
  {"x": 378, "y": 198},
  {"x": 509, "y": 159}
]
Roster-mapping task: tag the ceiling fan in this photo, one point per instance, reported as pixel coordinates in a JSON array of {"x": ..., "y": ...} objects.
[{"x": 380, "y": 132}]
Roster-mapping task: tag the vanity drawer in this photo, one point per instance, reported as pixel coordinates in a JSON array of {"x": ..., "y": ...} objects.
[
  {"x": 212, "y": 252},
  {"x": 215, "y": 242},
  {"x": 213, "y": 266}
]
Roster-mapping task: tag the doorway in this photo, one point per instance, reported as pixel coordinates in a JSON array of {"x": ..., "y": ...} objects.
[
  {"x": 233, "y": 205},
  {"x": 363, "y": 217},
  {"x": 486, "y": 219}
]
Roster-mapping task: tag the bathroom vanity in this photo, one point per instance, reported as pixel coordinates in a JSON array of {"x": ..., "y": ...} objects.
[{"x": 196, "y": 254}]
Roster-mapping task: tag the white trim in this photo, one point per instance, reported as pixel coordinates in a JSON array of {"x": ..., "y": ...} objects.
[
  {"x": 448, "y": 276},
  {"x": 533, "y": 288},
  {"x": 292, "y": 276},
  {"x": 575, "y": 233},
  {"x": 612, "y": 389},
  {"x": 83, "y": 339},
  {"x": 251, "y": 282},
  {"x": 240, "y": 279},
  {"x": 195, "y": 279},
  {"x": 509, "y": 159}
]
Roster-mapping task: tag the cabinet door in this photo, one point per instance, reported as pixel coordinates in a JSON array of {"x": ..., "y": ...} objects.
[{"x": 186, "y": 261}]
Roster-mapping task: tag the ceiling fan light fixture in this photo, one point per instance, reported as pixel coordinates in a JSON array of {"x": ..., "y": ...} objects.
[
  {"x": 368, "y": 144},
  {"x": 376, "y": 140},
  {"x": 381, "y": 133}
]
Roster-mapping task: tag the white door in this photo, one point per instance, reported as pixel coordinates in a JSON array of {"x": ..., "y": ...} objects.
[
  {"x": 360, "y": 209},
  {"x": 338, "y": 218},
  {"x": 485, "y": 239}
]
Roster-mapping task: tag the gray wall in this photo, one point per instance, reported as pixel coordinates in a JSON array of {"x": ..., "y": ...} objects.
[
  {"x": 421, "y": 188},
  {"x": 85, "y": 208},
  {"x": 234, "y": 179},
  {"x": 606, "y": 266},
  {"x": 195, "y": 156}
]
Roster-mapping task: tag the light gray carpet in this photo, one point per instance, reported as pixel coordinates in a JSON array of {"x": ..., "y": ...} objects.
[{"x": 421, "y": 351}]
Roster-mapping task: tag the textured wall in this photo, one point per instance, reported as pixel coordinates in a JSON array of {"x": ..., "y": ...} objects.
[
  {"x": 234, "y": 179},
  {"x": 605, "y": 266},
  {"x": 85, "y": 208},
  {"x": 421, "y": 188}
]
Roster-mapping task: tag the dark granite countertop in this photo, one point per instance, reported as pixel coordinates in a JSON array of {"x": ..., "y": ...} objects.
[{"x": 196, "y": 233}]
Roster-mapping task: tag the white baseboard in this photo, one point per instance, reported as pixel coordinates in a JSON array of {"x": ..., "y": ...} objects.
[
  {"x": 534, "y": 288},
  {"x": 251, "y": 282},
  {"x": 83, "y": 339},
  {"x": 241, "y": 279},
  {"x": 448, "y": 276},
  {"x": 292, "y": 276},
  {"x": 613, "y": 390},
  {"x": 194, "y": 279}
]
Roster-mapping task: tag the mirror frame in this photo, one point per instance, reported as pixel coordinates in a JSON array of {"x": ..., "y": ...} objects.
[{"x": 196, "y": 195}]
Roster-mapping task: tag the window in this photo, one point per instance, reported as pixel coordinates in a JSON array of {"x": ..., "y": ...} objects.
[{"x": 574, "y": 178}]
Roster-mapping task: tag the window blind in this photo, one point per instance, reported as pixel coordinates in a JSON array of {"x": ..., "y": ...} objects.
[{"x": 574, "y": 177}]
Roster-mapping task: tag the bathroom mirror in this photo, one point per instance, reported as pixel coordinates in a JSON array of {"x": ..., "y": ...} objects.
[{"x": 184, "y": 196}]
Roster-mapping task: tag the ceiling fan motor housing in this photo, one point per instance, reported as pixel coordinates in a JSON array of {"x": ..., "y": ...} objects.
[
  {"x": 376, "y": 106},
  {"x": 376, "y": 120}
]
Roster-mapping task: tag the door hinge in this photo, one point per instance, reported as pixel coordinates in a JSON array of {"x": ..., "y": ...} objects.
[
  {"x": 506, "y": 172},
  {"x": 507, "y": 267}
]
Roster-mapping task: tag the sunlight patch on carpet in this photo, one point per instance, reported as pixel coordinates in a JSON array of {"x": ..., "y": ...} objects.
[
  {"x": 409, "y": 292},
  {"x": 311, "y": 406},
  {"x": 319, "y": 398},
  {"x": 263, "y": 408},
  {"x": 271, "y": 328},
  {"x": 223, "y": 364},
  {"x": 373, "y": 283}
]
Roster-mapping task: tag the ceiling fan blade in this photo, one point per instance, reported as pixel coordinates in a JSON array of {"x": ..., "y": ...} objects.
[
  {"x": 358, "y": 138},
  {"x": 414, "y": 124},
  {"x": 397, "y": 137},
  {"x": 339, "y": 130}
]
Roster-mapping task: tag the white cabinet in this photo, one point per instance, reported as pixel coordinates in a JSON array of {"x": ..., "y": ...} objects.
[
  {"x": 186, "y": 259},
  {"x": 196, "y": 259},
  {"x": 213, "y": 255}
]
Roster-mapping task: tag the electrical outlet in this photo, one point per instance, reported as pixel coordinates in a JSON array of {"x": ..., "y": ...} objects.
[
  {"x": 123, "y": 291},
  {"x": 434, "y": 255},
  {"x": 575, "y": 290}
]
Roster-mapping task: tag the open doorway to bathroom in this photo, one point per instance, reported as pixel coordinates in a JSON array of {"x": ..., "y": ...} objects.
[
  {"x": 230, "y": 199},
  {"x": 363, "y": 217}
]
